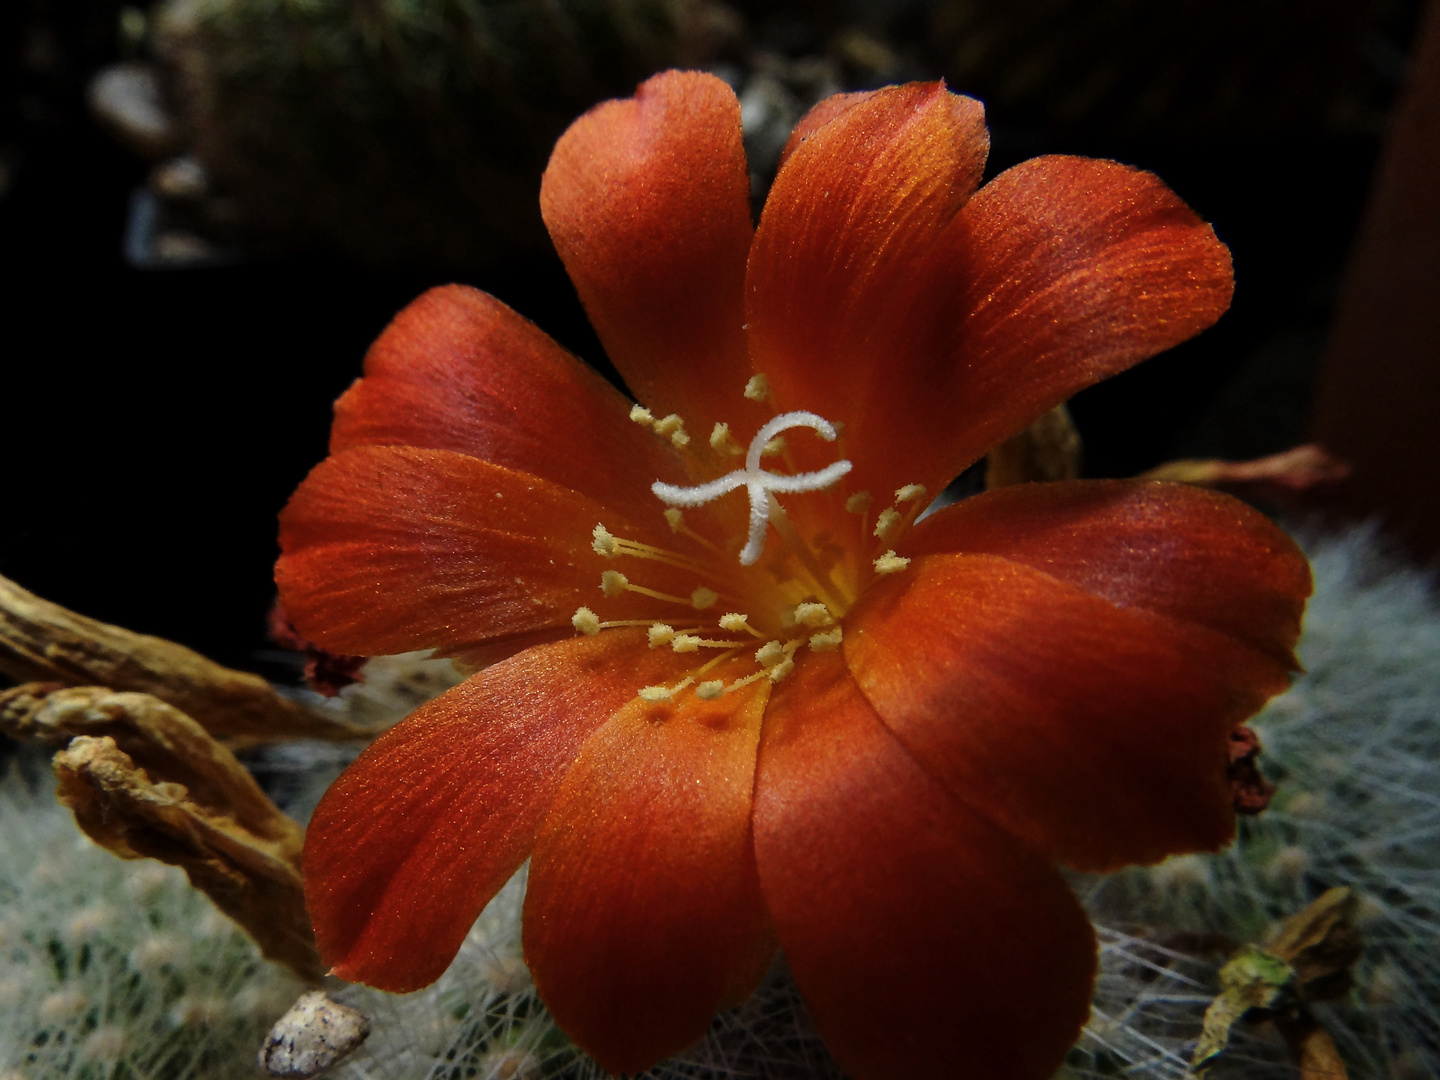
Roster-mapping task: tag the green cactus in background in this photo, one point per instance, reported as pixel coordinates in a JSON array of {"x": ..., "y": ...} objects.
[{"x": 406, "y": 131}]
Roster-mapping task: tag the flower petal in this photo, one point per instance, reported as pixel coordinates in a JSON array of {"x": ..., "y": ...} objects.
[
  {"x": 926, "y": 941},
  {"x": 819, "y": 115},
  {"x": 648, "y": 202},
  {"x": 418, "y": 834},
  {"x": 1096, "y": 734},
  {"x": 859, "y": 200},
  {"x": 1176, "y": 550},
  {"x": 1073, "y": 270},
  {"x": 643, "y": 913},
  {"x": 473, "y": 551},
  {"x": 458, "y": 370}
]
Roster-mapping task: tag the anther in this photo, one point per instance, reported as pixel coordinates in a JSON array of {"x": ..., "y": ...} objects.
[
  {"x": 886, "y": 522},
  {"x": 758, "y": 388},
  {"x": 660, "y": 634},
  {"x": 859, "y": 502},
  {"x": 641, "y": 415},
  {"x": 673, "y": 428},
  {"x": 613, "y": 583},
  {"x": 723, "y": 442},
  {"x": 827, "y": 641},
  {"x": 910, "y": 493},
  {"x": 890, "y": 563},
  {"x": 773, "y": 447},
  {"x": 586, "y": 621},
  {"x": 710, "y": 689},
  {"x": 703, "y": 599},
  {"x": 734, "y": 621},
  {"x": 770, "y": 654},
  {"x": 675, "y": 519},
  {"x": 813, "y": 615},
  {"x": 603, "y": 542},
  {"x": 780, "y": 670}
]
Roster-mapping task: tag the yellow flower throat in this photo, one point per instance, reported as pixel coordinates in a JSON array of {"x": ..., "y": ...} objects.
[{"x": 797, "y": 599}]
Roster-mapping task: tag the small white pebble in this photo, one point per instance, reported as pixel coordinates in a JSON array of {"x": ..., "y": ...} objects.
[{"x": 312, "y": 1036}]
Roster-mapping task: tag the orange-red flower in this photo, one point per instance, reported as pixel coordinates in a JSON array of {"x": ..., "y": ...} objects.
[{"x": 867, "y": 740}]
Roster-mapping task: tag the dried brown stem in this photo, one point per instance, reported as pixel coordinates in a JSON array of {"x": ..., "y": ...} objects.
[
  {"x": 1049, "y": 449},
  {"x": 1297, "y": 477},
  {"x": 44, "y": 642},
  {"x": 254, "y": 881},
  {"x": 145, "y": 780}
]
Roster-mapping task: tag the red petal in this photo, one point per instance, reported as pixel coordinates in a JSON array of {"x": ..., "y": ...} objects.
[
  {"x": 389, "y": 548},
  {"x": 458, "y": 370},
  {"x": 819, "y": 115},
  {"x": 412, "y": 841},
  {"x": 648, "y": 202},
  {"x": 1172, "y": 549},
  {"x": 1073, "y": 271},
  {"x": 859, "y": 201},
  {"x": 1098, "y": 735},
  {"x": 926, "y": 942},
  {"x": 643, "y": 913}
]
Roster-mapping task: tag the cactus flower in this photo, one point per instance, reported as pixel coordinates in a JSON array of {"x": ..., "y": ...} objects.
[{"x": 731, "y": 693}]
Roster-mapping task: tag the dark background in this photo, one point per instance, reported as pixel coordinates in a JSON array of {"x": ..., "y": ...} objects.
[{"x": 152, "y": 422}]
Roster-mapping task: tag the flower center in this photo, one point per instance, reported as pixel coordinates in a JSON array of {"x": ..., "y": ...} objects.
[
  {"x": 797, "y": 598},
  {"x": 759, "y": 484}
]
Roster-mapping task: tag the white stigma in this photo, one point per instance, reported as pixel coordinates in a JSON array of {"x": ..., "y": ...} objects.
[{"x": 758, "y": 483}]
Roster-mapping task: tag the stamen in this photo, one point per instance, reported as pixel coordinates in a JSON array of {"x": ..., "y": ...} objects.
[
  {"x": 827, "y": 641},
  {"x": 606, "y": 543},
  {"x": 813, "y": 615},
  {"x": 758, "y": 388},
  {"x": 586, "y": 621},
  {"x": 819, "y": 576},
  {"x": 603, "y": 542},
  {"x": 692, "y": 643},
  {"x": 710, "y": 690},
  {"x": 677, "y": 524},
  {"x": 673, "y": 428},
  {"x": 758, "y": 483},
  {"x": 893, "y": 521},
  {"x": 722, "y": 442},
  {"x": 734, "y": 621},
  {"x": 770, "y": 654},
  {"x": 890, "y": 563},
  {"x": 613, "y": 583},
  {"x": 664, "y": 693},
  {"x": 885, "y": 524},
  {"x": 746, "y": 681}
]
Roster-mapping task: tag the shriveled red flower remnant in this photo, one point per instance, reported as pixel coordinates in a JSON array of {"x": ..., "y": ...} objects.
[{"x": 869, "y": 740}]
